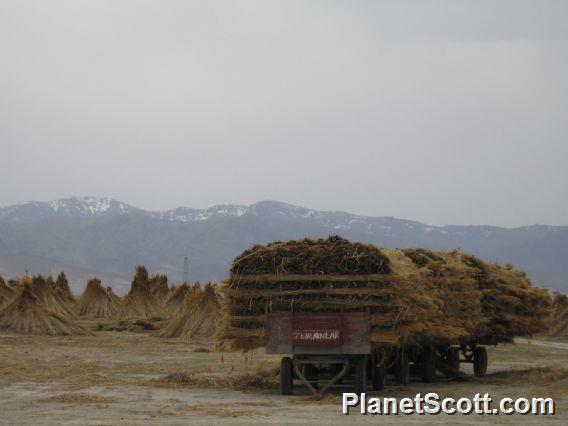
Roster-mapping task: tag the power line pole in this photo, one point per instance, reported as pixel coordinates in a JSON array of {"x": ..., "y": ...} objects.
[{"x": 185, "y": 270}]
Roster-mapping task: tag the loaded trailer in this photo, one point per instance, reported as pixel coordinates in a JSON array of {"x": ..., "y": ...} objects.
[{"x": 327, "y": 349}]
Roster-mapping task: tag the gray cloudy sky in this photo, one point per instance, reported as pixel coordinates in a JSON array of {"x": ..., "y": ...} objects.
[{"x": 446, "y": 112}]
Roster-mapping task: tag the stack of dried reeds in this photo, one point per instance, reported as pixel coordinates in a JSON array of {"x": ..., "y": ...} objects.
[
  {"x": 410, "y": 294},
  {"x": 96, "y": 302},
  {"x": 326, "y": 275},
  {"x": 140, "y": 303},
  {"x": 49, "y": 298},
  {"x": 62, "y": 289},
  {"x": 113, "y": 295},
  {"x": 6, "y": 292},
  {"x": 512, "y": 306},
  {"x": 50, "y": 282},
  {"x": 159, "y": 287},
  {"x": 175, "y": 304},
  {"x": 459, "y": 308},
  {"x": 26, "y": 313},
  {"x": 199, "y": 318}
]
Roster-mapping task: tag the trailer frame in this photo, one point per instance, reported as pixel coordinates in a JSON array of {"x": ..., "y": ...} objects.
[{"x": 336, "y": 345}]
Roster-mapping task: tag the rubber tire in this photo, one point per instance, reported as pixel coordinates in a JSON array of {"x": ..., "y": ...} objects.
[
  {"x": 428, "y": 364},
  {"x": 361, "y": 375},
  {"x": 480, "y": 361},
  {"x": 286, "y": 376},
  {"x": 402, "y": 373},
  {"x": 378, "y": 377},
  {"x": 453, "y": 358}
]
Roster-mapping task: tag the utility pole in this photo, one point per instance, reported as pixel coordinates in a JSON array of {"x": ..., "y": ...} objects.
[{"x": 186, "y": 270}]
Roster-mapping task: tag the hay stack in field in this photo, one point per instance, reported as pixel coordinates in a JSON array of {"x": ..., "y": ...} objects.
[
  {"x": 159, "y": 287},
  {"x": 95, "y": 302},
  {"x": 50, "y": 282},
  {"x": 18, "y": 283},
  {"x": 200, "y": 317},
  {"x": 26, "y": 314},
  {"x": 5, "y": 291},
  {"x": 113, "y": 295},
  {"x": 49, "y": 298},
  {"x": 140, "y": 303},
  {"x": 62, "y": 289},
  {"x": 411, "y": 295},
  {"x": 13, "y": 283},
  {"x": 512, "y": 306},
  {"x": 175, "y": 304}
]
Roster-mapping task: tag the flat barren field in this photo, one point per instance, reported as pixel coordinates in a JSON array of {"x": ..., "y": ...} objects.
[{"x": 124, "y": 378}]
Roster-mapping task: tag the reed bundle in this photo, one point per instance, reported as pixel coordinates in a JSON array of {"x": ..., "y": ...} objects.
[{"x": 96, "y": 302}]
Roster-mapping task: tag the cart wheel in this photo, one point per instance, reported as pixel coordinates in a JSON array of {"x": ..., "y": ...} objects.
[
  {"x": 479, "y": 361},
  {"x": 428, "y": 364},
  {"x": 402, "y": 373},
  {"x": 286, "y": 377},
  {"x": 453, "y": 358},
  {"x": 361, "y": 374},
  {"x": 378, "y": 376}
]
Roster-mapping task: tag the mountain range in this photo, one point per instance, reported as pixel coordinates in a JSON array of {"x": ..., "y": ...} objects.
[{"x": 88, "y": 236}]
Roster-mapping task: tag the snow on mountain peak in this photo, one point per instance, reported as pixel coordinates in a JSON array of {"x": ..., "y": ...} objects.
[
  {"x": 87, "y": 206},
  {"x": 91, "y": 205}
]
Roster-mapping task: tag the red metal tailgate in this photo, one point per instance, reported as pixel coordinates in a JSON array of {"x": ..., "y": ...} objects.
[{"x": 308, "y": 333}]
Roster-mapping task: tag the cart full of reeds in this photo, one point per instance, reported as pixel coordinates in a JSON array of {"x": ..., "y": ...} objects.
[{"x": 346, "y": 313}]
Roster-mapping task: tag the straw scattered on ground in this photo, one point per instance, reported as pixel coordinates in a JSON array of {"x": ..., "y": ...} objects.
[
  {"x": 261, "y": 378},
  {"x": 77, "y": 398}
]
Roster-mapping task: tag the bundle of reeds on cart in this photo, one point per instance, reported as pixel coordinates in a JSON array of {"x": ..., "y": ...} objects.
[{"x": 410, "y": 294}]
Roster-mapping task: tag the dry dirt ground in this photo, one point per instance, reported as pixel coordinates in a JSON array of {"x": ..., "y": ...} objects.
[{"x": 121, "y": 378}]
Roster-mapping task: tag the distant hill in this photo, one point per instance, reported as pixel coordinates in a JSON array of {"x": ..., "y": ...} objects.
[{"x": 92, "y": 235}]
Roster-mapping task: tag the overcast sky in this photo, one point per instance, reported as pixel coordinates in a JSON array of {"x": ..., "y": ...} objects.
[{"x": 446, "y": 112}]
